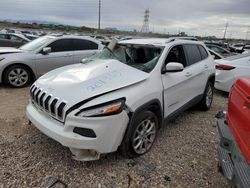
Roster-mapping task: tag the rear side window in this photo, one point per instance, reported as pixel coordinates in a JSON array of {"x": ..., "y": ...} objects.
[
  {"x": 62, "y": 45},
  {"x": 81, "y": 44},
  {"x": 203, "y": 52},
  {"x": 3, "y": 37},
  {"x": 193, "y": 53}
]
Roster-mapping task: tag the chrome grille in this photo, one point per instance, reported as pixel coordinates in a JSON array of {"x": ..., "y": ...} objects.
[{"x": 48, "y": 103}]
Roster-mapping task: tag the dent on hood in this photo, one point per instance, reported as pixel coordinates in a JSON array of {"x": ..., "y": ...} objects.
[{"x": 103, "y": 80}]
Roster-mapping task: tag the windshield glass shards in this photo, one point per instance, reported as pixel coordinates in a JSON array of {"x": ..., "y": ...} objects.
[{"x": 143, "y": 58}]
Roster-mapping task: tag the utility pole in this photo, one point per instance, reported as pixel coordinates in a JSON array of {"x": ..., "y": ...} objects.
[
  {"x": 248, "y": 30},
  {"x": 99, "y": 18},
  {"x": 225, "y": 32}
]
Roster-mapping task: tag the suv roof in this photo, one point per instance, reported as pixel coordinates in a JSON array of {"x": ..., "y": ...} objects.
[{"x": 158, "y": 41}]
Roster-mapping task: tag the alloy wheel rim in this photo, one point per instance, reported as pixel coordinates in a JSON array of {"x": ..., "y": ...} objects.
[
  {"x": 18, "y": 77},
  {"x": 209, "y": 96},
  {"x": 144, "y": 136}
]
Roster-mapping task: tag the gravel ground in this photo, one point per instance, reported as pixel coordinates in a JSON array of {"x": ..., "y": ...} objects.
[{"x": 184, "y": 155}]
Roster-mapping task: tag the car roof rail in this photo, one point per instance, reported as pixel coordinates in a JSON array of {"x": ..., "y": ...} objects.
[{"x": 172, "y": 39}]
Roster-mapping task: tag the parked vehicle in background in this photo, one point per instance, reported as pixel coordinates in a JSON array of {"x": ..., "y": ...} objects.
[
  {"x": 220, "y": 44},
  {"x": 223, "y": 52},
  {"x": 234, "y": 131},
  {"x": 215, "y": 55},
  {"x": 103, "y": 39},
  {"x": 18, "y": 67},
  {"x": 120, "y": 97},
  {"x": 246, "y": 48},
  {"x": 12, "y": 40},
  {"x": 230, "y": 69},
  {"x": 31, "y": 36},
  {"x": 238, "y": 48}
]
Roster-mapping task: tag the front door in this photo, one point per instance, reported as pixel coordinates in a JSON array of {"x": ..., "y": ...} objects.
[
  {"x": 175, "y": 84},
  {"x": 62, "y": 54}
]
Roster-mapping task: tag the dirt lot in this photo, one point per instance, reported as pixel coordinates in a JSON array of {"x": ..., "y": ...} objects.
[{"x": 184, "y": 154}]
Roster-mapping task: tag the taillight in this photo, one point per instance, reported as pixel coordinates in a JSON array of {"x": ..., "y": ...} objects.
[{"x": 224, "y": 67}]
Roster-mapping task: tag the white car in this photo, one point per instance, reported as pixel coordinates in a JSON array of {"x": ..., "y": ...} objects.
[
  {"x": 120, "y": 97},
  {"x": 228, "y": 70}
]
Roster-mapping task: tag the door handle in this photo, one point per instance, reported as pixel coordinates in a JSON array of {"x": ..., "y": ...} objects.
[
  {"x": 206, "y": 66},
  {"x": 68, "y": 55},
  {"x": 188, "y": 74}
]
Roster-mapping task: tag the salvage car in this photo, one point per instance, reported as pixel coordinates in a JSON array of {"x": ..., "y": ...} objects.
[
  {"x": 18, "y": 67},
  {"x": 222, "y": 51},
  {"x": 230, "y": 69},
  {"x": 122, "y": 96},
  {"x": 234, "y": 131},
  {"x": 13, "y": 40}
]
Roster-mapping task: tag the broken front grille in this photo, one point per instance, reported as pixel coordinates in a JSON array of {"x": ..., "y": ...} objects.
[{"x": 48, "y": 103}]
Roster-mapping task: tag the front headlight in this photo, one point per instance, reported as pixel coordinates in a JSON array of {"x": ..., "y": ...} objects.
[{"x": 105, "y": 109}]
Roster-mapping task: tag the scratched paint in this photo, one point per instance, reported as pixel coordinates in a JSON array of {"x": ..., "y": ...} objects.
[{"x": 103, "y": 80}]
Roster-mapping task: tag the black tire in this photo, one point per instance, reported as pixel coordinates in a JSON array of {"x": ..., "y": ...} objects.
[
  {"x": 128, "y": 146},
  {"x": 21, "y": 76},
  {"x": 204, "y": 105}
]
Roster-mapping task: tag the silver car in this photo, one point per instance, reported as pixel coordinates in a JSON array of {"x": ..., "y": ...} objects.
[
  {"x": 18, "y": 67},
  {"x": 13, "y": 40}
]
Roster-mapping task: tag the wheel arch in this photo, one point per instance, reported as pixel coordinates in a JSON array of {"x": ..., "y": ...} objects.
[
  {"x": 211, "y": 78},
  {"x": 153, "y": 106},
  {"x": 33, "y": 76}
]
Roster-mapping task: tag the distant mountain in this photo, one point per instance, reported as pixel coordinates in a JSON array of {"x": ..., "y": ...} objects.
[{"x": 32, "y": 21}]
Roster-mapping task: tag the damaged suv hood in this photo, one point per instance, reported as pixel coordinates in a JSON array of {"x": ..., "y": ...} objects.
[{"x": 79, "y": 82}]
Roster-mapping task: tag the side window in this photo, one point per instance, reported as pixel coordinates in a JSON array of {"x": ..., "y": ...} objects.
[
  {"x": 192, "y": 53},
  {"x": 81, "y": 44},
  {"x": 203, "y": 52},
  {"x": 15, "y": 38},
  {"x": 176, "y": 54},
  {"x": 62, "y": 45},
  {"x": 3, "y": 37}
]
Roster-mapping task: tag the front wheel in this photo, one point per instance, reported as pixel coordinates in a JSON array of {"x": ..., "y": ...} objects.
[
  {"x": 140, "y": 135},
  {"x": 17, "y": 76},
  {"x": 207, "y": 99}
]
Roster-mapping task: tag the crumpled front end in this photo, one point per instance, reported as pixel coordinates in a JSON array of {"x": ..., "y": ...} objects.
[{"x": 87, "y": 138}]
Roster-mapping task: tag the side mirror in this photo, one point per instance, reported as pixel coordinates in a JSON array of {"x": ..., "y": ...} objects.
[
  {"x": 46, "y": 50},
  {"x": 173, "y": 67}
]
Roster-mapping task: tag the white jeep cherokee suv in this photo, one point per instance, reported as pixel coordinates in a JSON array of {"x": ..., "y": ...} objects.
[{"x": 120, "y": 97}]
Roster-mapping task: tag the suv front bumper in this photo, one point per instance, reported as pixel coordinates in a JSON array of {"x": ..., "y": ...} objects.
[
  {"x": 109, "y": 132},
  {"x": 234, "y": 166}
]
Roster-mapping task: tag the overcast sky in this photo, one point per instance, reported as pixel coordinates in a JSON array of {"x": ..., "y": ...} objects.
[{"x": 195, "y": 17}]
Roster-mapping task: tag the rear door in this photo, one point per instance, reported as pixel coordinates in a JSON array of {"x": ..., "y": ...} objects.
[
  {"x": 197, "y": 66},
  {"x": 83, "y": 49},
  {"x": 62, "y": 54}
]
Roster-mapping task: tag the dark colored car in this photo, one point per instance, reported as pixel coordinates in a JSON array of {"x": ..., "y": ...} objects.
[
  {"x": 222, "y": 51},
  {"x": 12, "y": 40},
  {"x": 234, "y": 131}
]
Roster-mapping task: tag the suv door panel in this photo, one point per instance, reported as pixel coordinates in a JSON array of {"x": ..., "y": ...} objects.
[
  {"x": 197, "y": 68},
  {"x": 175, "y": 85}
]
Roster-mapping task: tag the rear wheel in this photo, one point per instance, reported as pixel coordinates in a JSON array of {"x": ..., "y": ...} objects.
[
  {"x": 17, "y": 76},
  {"x": 140, "y": 135},
  {"x": 207, "y": 99}
]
